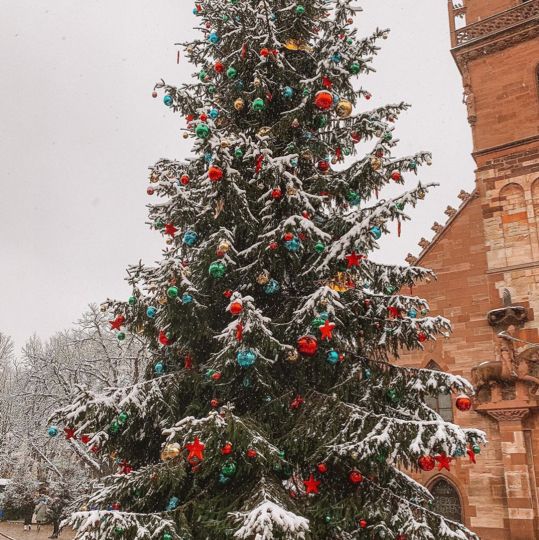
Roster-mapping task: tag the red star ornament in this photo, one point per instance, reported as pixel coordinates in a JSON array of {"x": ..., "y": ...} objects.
[
  {"x": 353, "y": 259},
  {"x": 444, "y": 462},
  {"x": 471, "y": 455},
  {"x": 69, "y": 433},
  {"x": 196, "y": 451},
  {"x": 393, "y": 312},
  {"x": 170, "y": 229},
  {"x": 327, "y": 330},
  {"x": 239, "y": 332},
  {"x": 311, "y": 485},
  {"x": 117, "y": 322}
]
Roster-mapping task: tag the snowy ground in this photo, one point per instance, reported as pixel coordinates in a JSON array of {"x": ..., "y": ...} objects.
[{"x": 15, "y": 531}]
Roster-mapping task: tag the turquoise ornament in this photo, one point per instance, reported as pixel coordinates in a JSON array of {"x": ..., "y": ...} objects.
[
  {"x": 131, "y": 300},
  {"x": 214, "y": 38},
  {"x": 293, "y": 245},
  {"x": 223, "y": 480},
  {"x": 332, "y": 357},
  {"x": 190, "y": 238},
  {"x": 217, "y": 269},
  {"x": 336, "y": 58},
  {"x": 52, "y": 431},
  {"x": 300, "y": 10},
  {"x": 376, "y": 232},
  {"x": 151, "y": 312},
  {"x": 412, "y": 313},
  {"x": 168, "y": 100},
  {"x": 288, "y": 92},
  {"x": 173, "y": 503},
  {"x": 159, "y": 368},
  {"x": 187, "y": 298},
  {"x": 246, "y": 358},
  {"x": 459, "y": 452},
  {"x": 214, "y": 113},
  {"x": 272, "y": 287}
]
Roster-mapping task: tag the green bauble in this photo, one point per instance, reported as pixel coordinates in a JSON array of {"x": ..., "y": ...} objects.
[
  {"x": 225, "y": 18},
  {"x": 300, "y": 10},
  {"x": 211, "y": 89},
  {"x": 202, "y": 131},
  {"x": 118, "y": 531},
  {"x": 202, "y": 75},
  {"x": 388, "y": 136},
  {"x": 319, "y": 247},
  {"x": 392, "y": 394},
  {"x": 390, "y": 289},
  {"x": 120, "y": 336},
  {"x": 399, "y": 206},
  {"x": 476, "y": 449},
  {"x": 354, "y": 68},
  {"x": 231, "y": 72},
  {"x": 353, "y": 198},
  {"x": 381, "y": 457},
  {"x": 114, "y": 426},
  {"x": 321, "y": 121},
  {"x": 123, "y": 417},
  {"x": 317, "y": 323},
  {"x": 167, "y": 536},
  {"x": 159, "y": 224},
  {"x": 131, "y": 300},
  {"x": 349, "y": 41},
  {"x": 217, "y": 269},
  {"x": 327, "y": 519},
  {"x": 258, "y": 105},
  {"x": 172, "y": 292},
  {"x": 238, "y": 152},
  {"x": 229, "y": 469}
]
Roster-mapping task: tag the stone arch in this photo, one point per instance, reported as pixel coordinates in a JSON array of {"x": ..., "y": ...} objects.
[
  {"x": 447, "y": 499},
  {"x": 441, "y": 402},
  {"x": 515, "y": 226}
]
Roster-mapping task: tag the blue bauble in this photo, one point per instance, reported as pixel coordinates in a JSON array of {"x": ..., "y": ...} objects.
[
  {"x": 332, "y": 357},
  {"x": 168, "y": 100},
  {"x": 214, "y": 113},
  {"x": 173, "y": 503},
  {"x": 336, "y": 58},
  {"x": 324, "y": 315},
  {"x": 412, "y": 313},
  {"x": 159, "y": 368},
  {"x": 376, "y": 232},
  {"x": 214, "y": 38},
  {"x": 52, "y": 431},
  {"x": 294, "y": 162},
  {"x": 195, "y": 11},
  {"x": 187, "y": 298},
  {"x": 459, "y": 452},
  {"x": 288, "y": 92},
  {"x": 208, "y": 157},
  {"x": 151, "y": 312},
  {"x": 246, "y": 358},
  {"x": 190, "y": 238},
  {"x": 293, "y": 245},
  {"x": 272, "y": 287}
]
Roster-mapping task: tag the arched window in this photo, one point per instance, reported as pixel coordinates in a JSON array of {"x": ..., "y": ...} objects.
[
  {"x": 440, "y": 403},
  {"x": 446, "y": 500}
]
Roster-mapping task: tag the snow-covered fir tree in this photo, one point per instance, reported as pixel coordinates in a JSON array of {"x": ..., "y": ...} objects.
[{"x": 271, "y": 409}]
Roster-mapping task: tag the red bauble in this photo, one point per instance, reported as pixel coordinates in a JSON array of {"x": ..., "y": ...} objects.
[
  {"x": 396, "y": 175},
  {"x": 355, "y": 477},
  {"x": 323, "y": 165},
  {"x": 116, "y": 506},
  {"x": 288, "y": 236},
  {"x": 251, "y": 453},
  {"x": 363, "y": 523},
  {"x": 463, "y": 403},
  {"x": 227, "y": 449},
  {"x": 323, "y": 100},
  {"x": 307, "y": 345},
  {"x": 150, "y": 191},
  {"x": 227, "y": 293},
  {"x": 306, "y": 214},
  {"x": 219, "y": 66},
  {"x": 356, "y": 137},
  {"x": 368, "y": 96},
  {"x": 421, "y": 337},
  {"x": 276, "y": 193},
  {"x": 203, "y": 117},
  {"x": 236, "y": 308},
  {"x": 184, "y": 180},
  {"x": 426, "y": 463},
  {"x": 216, "y": 376},
  {"x": 322, "y": 468},
  {"x": 215, "y": 173},
  {"x": 214, "y": 403},
  {"x": 273, "y": 245},
  {"x": 154, "y": 94},
  {"x": 264, "y": 52}
]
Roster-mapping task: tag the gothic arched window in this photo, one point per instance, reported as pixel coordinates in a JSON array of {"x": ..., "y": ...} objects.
[
  {"x": 441, "y": 403},
  {"x": 446, "y": 500}
]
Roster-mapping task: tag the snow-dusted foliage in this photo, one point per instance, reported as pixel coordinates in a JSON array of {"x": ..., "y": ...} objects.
[{"x": 271, "y": 408}]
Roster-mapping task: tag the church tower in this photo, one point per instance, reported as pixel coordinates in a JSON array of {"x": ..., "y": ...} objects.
[{"x": 486, "y": 258}]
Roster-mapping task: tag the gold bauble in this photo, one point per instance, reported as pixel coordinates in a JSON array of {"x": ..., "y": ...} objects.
[
  {"x": 420, "y": 194},
  {"x": 263, "y": 277},
  {"x": 171, "y": 451},
  {"x": 307, "y": 155},
  {"x": 338, "y": 283},
  {"x": 343, "y": 109},
  {"x": 291, "y": 190},
  {"x": 376, "y": 163},
  {"x": 162, "y": 300},
  {"x": 185, "y": 135},
  {"x": 257, "y": 81},
  {"x": 239, "y": 104},
  {"x": 297, "y": 45},
  {"x": 223, "y": 246},
  {"x": 292, "y": 356},
  {"x": 154, "y": 178},
  {"x": 263, "y": 131},
  {"x": 225, "y": 143}
]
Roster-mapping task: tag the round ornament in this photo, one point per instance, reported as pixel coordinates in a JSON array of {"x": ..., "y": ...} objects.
[
  {"x": 323, "y": 100},
  {"x": 272, "y": 287},
  {"x": 476, "y": 449},
  {"x": 217, "y": 269},
  {"x": 190, "y": 238},
  {"x": 151, "y": 312},
  {"x": 343, "y": 109},
  {"x": 214, "y": 38},
  {"x": 322, "y": 468},
  {"x": 202, "y": 131},
  {"x": 332, "y": 357},
  {"x": 168, "y": 100},
  {"x": 376, "y": 232},
  {"x": 355, "y": 477},
  {"x": 263, "y": 277},
  {"x": 239, "y": 104},
  {"x": 171, "y": 451},
  {"x": 236, "y": 308},
  {"x": 300, "y": 10},
  {"x": 258, "y": 105},
  {"x": 229, "y": 469},
  {"x": 292, "y": 245},
  {"x": 132, "y": 300},
  {"x": 276, "y": 193},
  {"x": 223, "y": 246},
  {"x": 172, "y": 292},
  {"x": 426, "y": 463},
  {"x": 186, "y": 298},
  {"x": 215, "y": 173},
  {"x": 246, "y": 358},
  {"x": 231, "y": 72},
  {"x": 52, "y": 431},
  {"x": 184, "y": 179},
  {"x": 120, "y": 336},
  {"x": 323, "y": 165},
  {"x": 227, "y": 449},
  {"x": 219, "y": 66},
  {"x": 292, "y": 357},
  {"x": 287, "y": 92},
  {"x": 307, "y": 346},
  {"x": 319, "y": 247},
  {"x": 463, "y": 403},
  {"x": 354, "y": 68}
]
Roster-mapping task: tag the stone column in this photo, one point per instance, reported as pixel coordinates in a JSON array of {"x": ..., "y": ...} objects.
[{"x": 520, "y": 504}]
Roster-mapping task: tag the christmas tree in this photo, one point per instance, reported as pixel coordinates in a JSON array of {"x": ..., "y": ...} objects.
[{"x": 271, "y": 409}]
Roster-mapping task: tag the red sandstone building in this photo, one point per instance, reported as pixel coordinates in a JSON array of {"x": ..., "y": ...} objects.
[{"x": 487, "y": 261}]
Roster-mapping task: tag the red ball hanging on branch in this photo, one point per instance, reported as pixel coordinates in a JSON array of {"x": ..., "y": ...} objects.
[
  {"x": 463, "y": 403},
  {"x": 323, "y": 165},
  {"x": 355, "y": 477},
  {"x": 307, "y": 345},
  {"x": 219, "y": 66},
  {"x": 184, "y": 180},
  {"x": 323, "y": 100},
  {"x": 396, "y": 175},
  {"x": 214, "y": 403},
  {"x": 297, "y": 402},
  {"x": 426, "y": 463},
  {"x": 421, "y": 337},
  {"x": 227, "y": 449},
  {"x": 236, "y": 308},
  {"x": 251, "y": 453},
  {"x": 276, "y": 193},
  {"x": 363, "y": 523},
  {"x": 215, "y": 173},
  {"x": 322, "y": 468},
  {"x": 288, "y": 236}
]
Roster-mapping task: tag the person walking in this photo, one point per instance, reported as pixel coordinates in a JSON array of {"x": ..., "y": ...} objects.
[{"x": 42, "y": 513}]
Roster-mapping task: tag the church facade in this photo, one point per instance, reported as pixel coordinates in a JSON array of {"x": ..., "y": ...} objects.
[{"x": 486, "y": 257}]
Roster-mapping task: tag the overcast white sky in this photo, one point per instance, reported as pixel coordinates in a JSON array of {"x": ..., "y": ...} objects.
[{"x": 79, "y": 129}]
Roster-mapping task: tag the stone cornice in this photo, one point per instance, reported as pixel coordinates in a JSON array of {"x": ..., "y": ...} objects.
[{"x": 508, "y": 415}]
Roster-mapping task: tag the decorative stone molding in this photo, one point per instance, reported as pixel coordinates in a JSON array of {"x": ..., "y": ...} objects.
[
  {"x": 450, "y": 211},
  {"x": 508, "y": 415},
  {"x": 437, "y": 228},
  {"x": 423, "y": 243},
  {"x": 464, "y": 195},
  {"x": 411, "y": 259},
  {"x": 505, "y": 316}
]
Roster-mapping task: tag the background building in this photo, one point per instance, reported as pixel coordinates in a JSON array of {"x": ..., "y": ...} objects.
[{"x": 487, "y": 260}]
